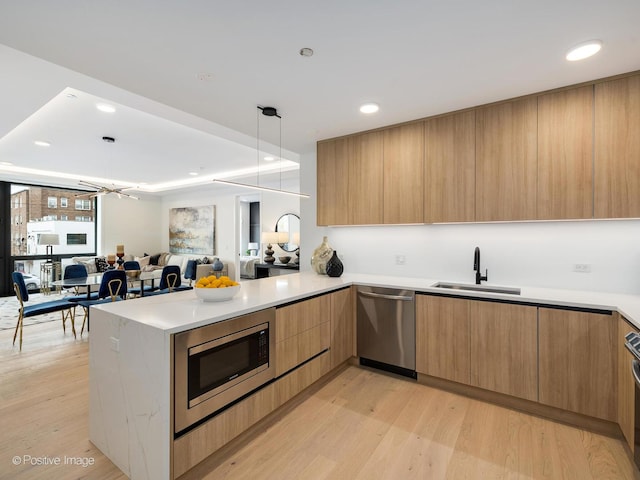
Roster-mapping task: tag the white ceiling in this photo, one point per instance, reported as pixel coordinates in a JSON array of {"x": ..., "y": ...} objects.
[{"x": 186, "y": 77}]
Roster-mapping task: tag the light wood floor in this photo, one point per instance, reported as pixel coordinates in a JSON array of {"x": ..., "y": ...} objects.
[{"x": 359, "y": 425}]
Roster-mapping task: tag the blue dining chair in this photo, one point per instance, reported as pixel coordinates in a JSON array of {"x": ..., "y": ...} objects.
[
  {"x": 170, "y": 281},
  {"x": 113, "y": 288},
  {"x": 143, "y": 289},
  {"x": 190, "y": 271},
  {"x": 66, "y": 308},
  {"x": 77, "y": 271}
]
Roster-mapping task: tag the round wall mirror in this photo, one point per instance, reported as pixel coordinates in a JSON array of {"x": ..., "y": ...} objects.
[{"x": 288, "y": 228}]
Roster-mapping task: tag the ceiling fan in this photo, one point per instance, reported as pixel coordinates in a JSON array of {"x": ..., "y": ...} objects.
[{"x": 102, "y": 190}]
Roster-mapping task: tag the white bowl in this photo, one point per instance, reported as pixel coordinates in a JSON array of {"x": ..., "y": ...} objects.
[{"x": 216, "y": 294}]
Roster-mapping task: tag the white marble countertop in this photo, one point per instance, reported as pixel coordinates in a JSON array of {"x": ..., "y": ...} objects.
[{"x": 182, "y": 311}]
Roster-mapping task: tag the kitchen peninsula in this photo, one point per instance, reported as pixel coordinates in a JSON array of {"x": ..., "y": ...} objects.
[{"x": 131, "y": 352}]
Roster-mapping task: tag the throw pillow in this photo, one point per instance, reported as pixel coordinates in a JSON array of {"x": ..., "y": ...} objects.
[
  {"x": 164, "y": 258},
  {"x": 101, "y": 264},
  {"x": 143, "y": 261},
  {"x": 90, "y": 265},
  {"x": 153, "y": 259}
]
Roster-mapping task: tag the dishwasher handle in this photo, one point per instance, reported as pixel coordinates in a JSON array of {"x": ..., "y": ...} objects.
[
  {"x": 401, "y": 298},
  {"x": 635, "y": 368}
]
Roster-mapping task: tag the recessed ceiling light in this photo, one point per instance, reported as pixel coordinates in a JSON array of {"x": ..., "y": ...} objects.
[
  {"x": 584, "y": 50},
  {"x": 42, "y": 143},
  {"x": 103, "y": 107},
  {"x": 269, "y": 159},
  {"x": 194, "y": 174},
  {"x": 369, "y": 108},
  {"x": 306, "y": 52}
]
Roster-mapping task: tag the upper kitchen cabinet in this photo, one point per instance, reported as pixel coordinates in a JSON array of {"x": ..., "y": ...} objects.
[
  {"x": 366, "y": 167},
  {"x": 403, "y": 183},
  {"x": 565, "y": 146},
  {"x": 450, "y": 169},
  {"x": 333, "y": 180},
  {"x": 617, "y": 148},
  {"x": 506, "y": 171}
]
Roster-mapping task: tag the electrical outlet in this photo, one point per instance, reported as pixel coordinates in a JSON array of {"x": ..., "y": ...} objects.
[
  {"x": 115, "y": 344},
  {"x": 582, "y": 267},
  {"x": 401, "y": 260}
]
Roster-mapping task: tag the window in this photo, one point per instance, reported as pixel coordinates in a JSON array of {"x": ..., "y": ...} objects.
[
  {"x": 76, "y": 238},
  {"x": 83, "y": 204},
  {"x": 37, "y": 204}
]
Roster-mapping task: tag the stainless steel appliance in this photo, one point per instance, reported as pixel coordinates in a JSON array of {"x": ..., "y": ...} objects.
[
  {"x": 220, "y": 363},
  {"x": 632, "y": 342},
  {"x": 386, "y": 322}
]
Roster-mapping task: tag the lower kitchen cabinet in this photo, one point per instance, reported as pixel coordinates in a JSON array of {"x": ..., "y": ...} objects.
[
  {"x": 442, "y": 337},
  {"x": 342, "y": 326},
  {"x": 504, "y": 348},
  {"x": 626, "y": 385},
  {"x": 578, "y": 362},
  {"x": 302, "y": 331},
  {"x": 485, "y": 344}
]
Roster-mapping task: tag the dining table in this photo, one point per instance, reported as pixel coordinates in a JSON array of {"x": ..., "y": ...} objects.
[{"x": 92, "y": 282}]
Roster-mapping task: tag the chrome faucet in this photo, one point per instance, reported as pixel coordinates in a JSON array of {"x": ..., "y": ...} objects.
[{"x": 476, "y": 267}]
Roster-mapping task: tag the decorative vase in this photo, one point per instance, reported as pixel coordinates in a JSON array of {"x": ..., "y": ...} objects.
[
  {"x": 269, "y": 258},
  {"x": 217, "y": 265},
  {"x": 321, "y": 256},
  {"x": 334, "y": 265}
]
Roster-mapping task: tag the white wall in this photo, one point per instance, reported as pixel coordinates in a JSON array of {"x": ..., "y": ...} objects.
[
  {"x": 535, "y": 253},
  {"x": 132, "y": 223}
]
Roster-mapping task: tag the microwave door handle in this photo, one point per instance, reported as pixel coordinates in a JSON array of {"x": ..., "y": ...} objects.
[{"x": 635, "y": 368}]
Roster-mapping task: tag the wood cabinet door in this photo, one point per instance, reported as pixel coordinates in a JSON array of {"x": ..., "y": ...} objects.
[
  {"x": 626, "y": 385},
  {"x": 565, "y": 154},
  {"x": 302, "y": 331},
  {"x": 365, "y": 205},
  {"x": 617, "y": 148},
  {"x": 450, "y": 168},
  {"x": 506, "y": 172},
  {"x": 442, "y": 337},
  {"x": 578, "y": 362},
  {"x": 333, "y": 181},
  {"x": 403, "y": 184},
  {"x": 342, "y": 326},
  {"x": 504, "y": 348}
]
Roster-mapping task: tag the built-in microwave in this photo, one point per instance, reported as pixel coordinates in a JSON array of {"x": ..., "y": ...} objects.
[{"x": 220, "y": 363}]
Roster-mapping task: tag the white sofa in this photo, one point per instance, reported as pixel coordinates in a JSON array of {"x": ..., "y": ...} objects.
[{"x": 155, "y": 271}]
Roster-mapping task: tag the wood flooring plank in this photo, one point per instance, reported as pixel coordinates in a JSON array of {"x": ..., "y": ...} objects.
[{"x": 360, "y": 424}]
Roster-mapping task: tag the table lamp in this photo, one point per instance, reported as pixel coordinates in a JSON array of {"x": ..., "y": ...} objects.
[
  {"x": 49, "y": 239},
  {"x": 253, "y": 248}
]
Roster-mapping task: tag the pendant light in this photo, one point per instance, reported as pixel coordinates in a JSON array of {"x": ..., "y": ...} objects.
[{"x": 268, "y": 112}]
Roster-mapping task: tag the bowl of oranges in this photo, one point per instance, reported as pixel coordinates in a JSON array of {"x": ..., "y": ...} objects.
[{"x": 214, "y": 289}]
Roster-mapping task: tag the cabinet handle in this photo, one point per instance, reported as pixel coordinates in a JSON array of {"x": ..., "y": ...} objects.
[{"x": 386, "y": 297}]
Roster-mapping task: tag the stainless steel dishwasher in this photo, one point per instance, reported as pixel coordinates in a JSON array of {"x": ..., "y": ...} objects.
[{"x": 386, "y": 321}]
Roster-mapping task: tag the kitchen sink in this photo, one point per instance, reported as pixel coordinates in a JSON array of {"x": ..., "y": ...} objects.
[{"x": 477, "y": 288}]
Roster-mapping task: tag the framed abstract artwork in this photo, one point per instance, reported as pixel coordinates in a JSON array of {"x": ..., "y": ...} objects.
[{"x": 192, "y": 230}]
